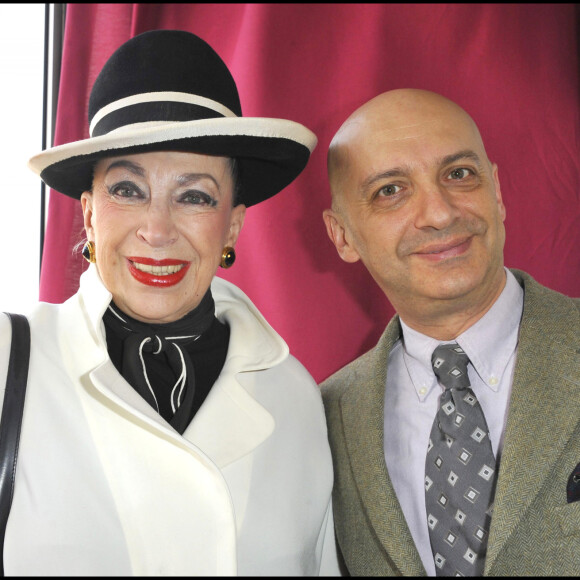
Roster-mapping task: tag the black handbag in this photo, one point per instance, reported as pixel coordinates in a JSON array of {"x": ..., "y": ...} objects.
[{"x": 11, "y": 420}]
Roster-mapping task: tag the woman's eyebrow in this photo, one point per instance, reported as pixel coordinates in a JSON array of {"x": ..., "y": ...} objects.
[
  {"x": 193, "y": 177},
  {"x": 132, "y": 167}
]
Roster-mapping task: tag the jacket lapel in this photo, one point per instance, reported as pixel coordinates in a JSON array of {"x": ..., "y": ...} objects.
[
  {"x": 544, "y": 406},
  {"x": 363, "y": 415}
]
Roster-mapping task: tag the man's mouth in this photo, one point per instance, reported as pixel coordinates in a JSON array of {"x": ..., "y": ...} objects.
[{"x": 445, "y": 250}]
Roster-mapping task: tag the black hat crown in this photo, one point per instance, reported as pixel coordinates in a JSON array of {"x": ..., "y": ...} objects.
[{"x": 162, "y": 75}]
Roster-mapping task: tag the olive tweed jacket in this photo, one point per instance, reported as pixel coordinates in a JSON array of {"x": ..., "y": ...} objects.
[{"x": 534, "y": 530}]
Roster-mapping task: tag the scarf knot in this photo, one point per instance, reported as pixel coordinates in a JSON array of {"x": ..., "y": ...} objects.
[{"x": 154, "y": 361}]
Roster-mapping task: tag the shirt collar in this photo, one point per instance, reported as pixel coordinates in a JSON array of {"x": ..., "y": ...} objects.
[{"x": 489, "y": 343}]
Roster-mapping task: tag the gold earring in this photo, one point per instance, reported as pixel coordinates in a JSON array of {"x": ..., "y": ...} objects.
[
  {"x": 89, "y": 252},
  {"x": 228, "y": 257}
]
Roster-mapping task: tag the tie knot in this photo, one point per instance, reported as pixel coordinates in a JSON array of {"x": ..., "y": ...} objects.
[{"x": 450, "y": 366}]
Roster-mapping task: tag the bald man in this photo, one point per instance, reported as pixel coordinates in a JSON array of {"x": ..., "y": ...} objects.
[{"x": 415, "y": 197}]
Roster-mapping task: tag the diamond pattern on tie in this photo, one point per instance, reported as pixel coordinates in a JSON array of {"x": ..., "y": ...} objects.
[{"x": 459, "y": 471}]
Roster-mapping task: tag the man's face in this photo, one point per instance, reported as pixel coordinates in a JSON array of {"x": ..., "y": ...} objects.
[{"x": 418, "y": 201}]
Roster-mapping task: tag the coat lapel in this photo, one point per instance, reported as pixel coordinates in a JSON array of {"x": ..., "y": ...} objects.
[
  {"x": 105, "y": 384},
  {"x": 229, "y": 404},
  {"x": 230, "y": 423},
  {"x": 544, "y": 406},
  {"x": 364, "y": 406}
]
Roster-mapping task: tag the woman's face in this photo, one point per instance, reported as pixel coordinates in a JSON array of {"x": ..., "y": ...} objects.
[{"x": 160, "y": 222}]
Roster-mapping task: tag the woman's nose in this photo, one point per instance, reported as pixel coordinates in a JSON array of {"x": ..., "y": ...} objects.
[{"x": 158, "y": 228}]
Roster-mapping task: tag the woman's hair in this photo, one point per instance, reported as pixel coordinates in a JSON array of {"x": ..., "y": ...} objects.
[{"x": 237, "y": 189}]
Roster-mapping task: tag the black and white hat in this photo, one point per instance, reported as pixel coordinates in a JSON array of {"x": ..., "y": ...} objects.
[{"x": 169, "y": 90}]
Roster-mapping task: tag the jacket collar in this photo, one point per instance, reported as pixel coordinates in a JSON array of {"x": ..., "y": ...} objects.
[{"x": 230, "y": 423}]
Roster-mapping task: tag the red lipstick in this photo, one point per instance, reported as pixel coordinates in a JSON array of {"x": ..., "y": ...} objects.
[{"x": 152, "y": 274}]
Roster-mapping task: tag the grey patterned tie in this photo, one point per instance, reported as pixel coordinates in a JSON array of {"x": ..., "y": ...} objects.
[{"x": 459, "y": 471}]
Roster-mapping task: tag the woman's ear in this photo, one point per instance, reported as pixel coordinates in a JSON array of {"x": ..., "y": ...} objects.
[
  {"x": 236, "y": 222},
  {"x": 87, "y": 207}
]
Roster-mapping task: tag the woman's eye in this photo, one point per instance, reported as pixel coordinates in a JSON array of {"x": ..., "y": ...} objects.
[
  {"x": 389, "y": 190},
  {"x": 460, "y": 173},
  {"x": 125, "y": 190},
  {"x": 196, "y": 197}
]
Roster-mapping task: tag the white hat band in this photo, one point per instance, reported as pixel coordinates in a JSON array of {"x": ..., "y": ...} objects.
[{"x": 167, "y": 97}]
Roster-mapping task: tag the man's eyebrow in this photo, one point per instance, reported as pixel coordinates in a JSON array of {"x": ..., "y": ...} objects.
[
  {"x": 133, "y": 167},
  {"x": 465, "y": 154},
  {"x": 395, "y": 172}
]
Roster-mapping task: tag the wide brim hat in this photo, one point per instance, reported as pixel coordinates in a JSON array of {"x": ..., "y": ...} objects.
[{"x": 168, "y": 90}]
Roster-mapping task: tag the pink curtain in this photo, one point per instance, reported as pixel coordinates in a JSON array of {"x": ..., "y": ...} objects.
[{"x": 513, "y": 67}]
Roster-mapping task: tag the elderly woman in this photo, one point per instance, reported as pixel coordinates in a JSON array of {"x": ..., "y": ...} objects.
[{"x": 166, "y": 429}]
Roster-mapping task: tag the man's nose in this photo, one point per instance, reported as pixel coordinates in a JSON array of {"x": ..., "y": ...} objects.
[{"x": 436, "y": 207}]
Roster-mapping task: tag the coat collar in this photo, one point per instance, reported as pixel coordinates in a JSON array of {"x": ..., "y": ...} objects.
[
  {"x": 254, "y": 345},
  {"x": 544, "y": 406}
]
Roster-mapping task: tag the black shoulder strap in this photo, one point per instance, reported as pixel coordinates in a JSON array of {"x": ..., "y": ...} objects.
[{"x": 11, "y": 420}]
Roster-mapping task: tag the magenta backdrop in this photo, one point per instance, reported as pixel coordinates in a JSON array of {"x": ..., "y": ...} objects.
[{"x": 513, "y": 67}]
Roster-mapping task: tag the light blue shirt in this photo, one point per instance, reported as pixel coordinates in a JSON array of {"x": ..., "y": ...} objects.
[{"x": 412, "y": 398}]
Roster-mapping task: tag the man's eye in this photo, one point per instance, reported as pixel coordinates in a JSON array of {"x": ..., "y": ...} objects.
[
  {"x": 460, "y": 173},
  {"x": 196, "y": 197},
  {"x": 389, "y": 190}
]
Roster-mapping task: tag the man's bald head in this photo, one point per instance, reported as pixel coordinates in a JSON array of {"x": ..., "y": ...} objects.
[
  {"x": 415, "y": 197},
  {"x": 395, "y": 114}
]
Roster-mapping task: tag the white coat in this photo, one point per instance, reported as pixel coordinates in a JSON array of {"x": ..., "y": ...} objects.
[{"x": 104, "y": 486}]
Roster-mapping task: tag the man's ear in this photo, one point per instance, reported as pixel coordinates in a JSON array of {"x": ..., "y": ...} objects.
[
  {"x": 339, "y": 236},
  {"x": 498, "y": 197},
  {"x": 87, "y": 207}
]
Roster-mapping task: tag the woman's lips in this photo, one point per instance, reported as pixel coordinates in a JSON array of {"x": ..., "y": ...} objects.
[
  {"x": 438, "y": 252},
  {"x": 161, "y": 273}
]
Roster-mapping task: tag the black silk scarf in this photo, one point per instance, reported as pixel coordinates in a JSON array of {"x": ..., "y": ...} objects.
[{"x": 157, "y": 360}]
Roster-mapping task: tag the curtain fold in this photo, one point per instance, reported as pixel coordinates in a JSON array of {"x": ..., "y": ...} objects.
[{"x": 513, "y": 67}]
